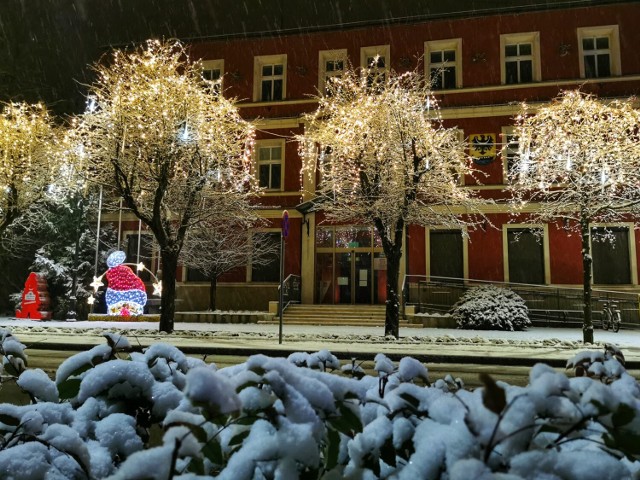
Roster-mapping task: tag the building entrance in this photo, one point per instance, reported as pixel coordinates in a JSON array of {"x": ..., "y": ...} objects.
[{"x": 350, "y": 266}]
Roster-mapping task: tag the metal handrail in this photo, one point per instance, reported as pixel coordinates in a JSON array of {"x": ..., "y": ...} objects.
[
  {"x": 291, "y": 291},
  {"x": 543, "y": 301}
]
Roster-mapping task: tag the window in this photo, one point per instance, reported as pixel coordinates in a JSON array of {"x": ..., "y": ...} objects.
[
  {"x": 509, "y": 151},
  {"x": 212, "y": 71},
  {"x": 611, "y": 254},
  {"x": 458, "y": 178},
  {"x": 195, "y": 275},
  {"x": 446, "y": 254},
  {"x": 145, "y": 247},
  {"x": 520, "y": 54},
  {"x": 599, "y": 50},
  {"x": 331, "y": 64},
  {"x": 270, "y": 163},
  {"x": 525, "y": 254},
  {"x": 270, "y": 78},
  {"x": 268, "y": 270},
  {"x": 443, "y": 63},
  {"x": 376, "y": 61}
]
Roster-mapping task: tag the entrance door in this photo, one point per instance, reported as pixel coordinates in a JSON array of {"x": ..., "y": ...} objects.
[
  {"x": 344, "y": 277},
  {"x": 353, "y": 277},
  {"x": 362, "y": 277}
]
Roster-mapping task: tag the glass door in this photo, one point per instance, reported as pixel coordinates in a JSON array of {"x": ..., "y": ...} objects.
[
  {"x": 361, "y": 272},
  {"x": 344, "y": 277}
]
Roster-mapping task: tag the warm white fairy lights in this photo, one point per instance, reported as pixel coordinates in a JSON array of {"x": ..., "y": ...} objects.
[
  {"x": 385, "y": 159},
  {"x": 579, "y": 158},
  {"x": 579, "y": 163},
  {"x": 28, "y": 160},
  {"x": 173, "y": 149}
]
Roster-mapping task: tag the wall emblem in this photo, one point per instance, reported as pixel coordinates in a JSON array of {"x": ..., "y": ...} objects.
[{"x": 483, "y": 148}]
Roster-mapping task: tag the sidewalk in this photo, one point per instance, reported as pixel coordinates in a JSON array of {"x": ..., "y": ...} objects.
[{"x": 551, "y": 345}]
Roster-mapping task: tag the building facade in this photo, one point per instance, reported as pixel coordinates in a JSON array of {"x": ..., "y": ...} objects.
[{"x": 484, "y": 64}]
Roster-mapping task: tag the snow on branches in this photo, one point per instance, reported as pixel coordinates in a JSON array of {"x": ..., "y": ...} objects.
[
  {"x": 578, "y": 163},
  {"x": 175, "y": 150},
  {"x": 27, "y": 166},
  {"x": 385, "y": 159},
  {"x": 580, "y": 158}
]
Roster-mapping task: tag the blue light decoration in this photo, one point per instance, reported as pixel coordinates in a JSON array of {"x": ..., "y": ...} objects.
[{"x": 126, "y": 293}]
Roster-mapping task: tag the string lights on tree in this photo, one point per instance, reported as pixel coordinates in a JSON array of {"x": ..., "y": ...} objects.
[
  {"x": 578, "y": 163},
  {"x": 28, "y": 140},
  {"x": 173, "y": 148},
  {"x": 385, "y": 159}
]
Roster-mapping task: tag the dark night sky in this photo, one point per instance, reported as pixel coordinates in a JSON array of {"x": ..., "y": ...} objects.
[{"x": 46, "y": 45}]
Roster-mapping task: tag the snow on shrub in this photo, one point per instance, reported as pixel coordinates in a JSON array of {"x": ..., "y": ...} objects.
[
  {"x": 491, "y": 308},
  {"x": 292, "y": 418}
]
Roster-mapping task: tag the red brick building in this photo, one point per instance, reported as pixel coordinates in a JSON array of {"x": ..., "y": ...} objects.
[{"x": 487, "y": 62}]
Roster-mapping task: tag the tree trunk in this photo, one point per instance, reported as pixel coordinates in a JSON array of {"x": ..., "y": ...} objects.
[
  {"x": 392, "y": 312},
  {"x": 169, "y": 258},
  {"x": 587, "y": 324},
  {"x": 212, "y": 291}
]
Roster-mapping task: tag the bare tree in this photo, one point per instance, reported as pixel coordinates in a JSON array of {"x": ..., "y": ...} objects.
[
  {"x": 385, "y": 158},
  {"x": 28, "y": 138},
  {"x": 233, "y": 245},
  {"x": 578, "y": 162},
  {"x": 172, "y": 147}
]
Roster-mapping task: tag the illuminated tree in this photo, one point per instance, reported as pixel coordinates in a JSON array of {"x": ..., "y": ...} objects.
[
  {"x": 156, "y": 134},
  {"x": 579, "y": 162},
  {"x": 233, "y": 245},
  {"x": 385, "y": 159},
  {"x": 27, "y": 160}
]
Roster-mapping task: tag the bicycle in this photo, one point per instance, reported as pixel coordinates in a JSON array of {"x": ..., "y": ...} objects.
[{"x": 611, "y": 316}]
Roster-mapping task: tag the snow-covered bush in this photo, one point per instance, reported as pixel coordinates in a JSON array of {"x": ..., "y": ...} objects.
[
  {"x": 276, "y": 418},
  {"x": 491, "y": 308}
]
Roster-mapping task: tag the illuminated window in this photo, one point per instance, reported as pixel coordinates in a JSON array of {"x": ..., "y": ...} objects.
[
  {"x": 270, "y": 78},
  {"x": 443, "y": 65},
  {"x": 520, "y": 54},
  {"x": 599, "y": 50}
]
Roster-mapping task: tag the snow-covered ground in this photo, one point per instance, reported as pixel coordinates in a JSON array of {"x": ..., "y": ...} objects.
[{"x": 626, "y": 338}]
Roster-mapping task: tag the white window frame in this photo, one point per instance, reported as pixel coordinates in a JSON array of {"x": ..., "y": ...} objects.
[
  {"x": 325, "y": 56},
  {"x": 209, "y": 65},
  {"x": 373, "y": 51},
  {"x": 454, "y": 44},
  {"x": 270, "y": 144},
  {"x": 610, "y": 31},
  {"x": 258, "y": 63},
  {"x": 545, "y": 247},
  {"x": 507, "y": 149},
  {"x": 518, "y": 38}
]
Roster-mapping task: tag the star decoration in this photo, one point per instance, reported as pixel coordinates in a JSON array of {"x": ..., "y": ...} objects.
[
  {"x": 140, "y": 267},
  {"x": 157, "y": 288},
  {"x": 97, "y": 283},
  {"x": 91, "y": 300}
]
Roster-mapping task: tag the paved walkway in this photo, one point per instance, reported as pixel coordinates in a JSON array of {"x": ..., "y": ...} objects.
[{"x": 553, "y": 345}]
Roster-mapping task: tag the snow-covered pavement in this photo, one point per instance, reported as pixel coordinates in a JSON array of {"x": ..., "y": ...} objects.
[{"x": 539, "y": 343}]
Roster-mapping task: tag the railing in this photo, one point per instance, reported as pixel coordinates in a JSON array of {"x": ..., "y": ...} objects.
[
  {"x": 291, "y": 291},
  {"x": 547, "y": 304}
]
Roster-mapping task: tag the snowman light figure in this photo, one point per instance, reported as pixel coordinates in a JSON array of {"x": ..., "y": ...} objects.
[{"x": 126, "y": 294}]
